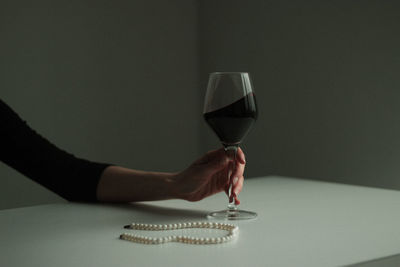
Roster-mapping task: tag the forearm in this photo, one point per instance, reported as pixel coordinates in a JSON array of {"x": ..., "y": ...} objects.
[{"x": 118, "y": 184}]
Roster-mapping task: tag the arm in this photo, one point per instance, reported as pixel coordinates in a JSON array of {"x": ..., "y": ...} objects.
[
  {"x": 206, "y": 176},
  {"x": 35, "y": 157},
  {"x": 119, "y": 184}
]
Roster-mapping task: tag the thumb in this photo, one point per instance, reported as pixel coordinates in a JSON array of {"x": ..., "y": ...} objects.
[{"x": 216, "y": 164}]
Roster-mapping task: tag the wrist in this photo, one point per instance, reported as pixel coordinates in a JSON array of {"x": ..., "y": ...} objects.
[{"x": 173, "y": 185}]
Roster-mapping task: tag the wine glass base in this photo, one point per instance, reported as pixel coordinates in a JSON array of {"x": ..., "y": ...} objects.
[{"x": 232, "y": 214}]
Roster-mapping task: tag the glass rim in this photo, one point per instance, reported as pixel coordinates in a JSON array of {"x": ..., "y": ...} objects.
[{"x": 228, "y": 72}]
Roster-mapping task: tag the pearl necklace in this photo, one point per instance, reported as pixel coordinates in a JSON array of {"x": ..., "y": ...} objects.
[{"x": 232, "y": 232}]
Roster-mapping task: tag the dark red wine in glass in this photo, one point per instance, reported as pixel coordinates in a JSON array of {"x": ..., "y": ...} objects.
[
  {"x": 230, "y": 109},
  {"x": 233, "y": 122}
]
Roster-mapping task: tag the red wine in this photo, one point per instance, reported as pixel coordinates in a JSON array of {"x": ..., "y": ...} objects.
[{"x": 233, "y": 122}]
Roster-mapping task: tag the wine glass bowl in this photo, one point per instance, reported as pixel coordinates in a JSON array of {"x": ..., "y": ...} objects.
[{"x": 230, "y": 109}]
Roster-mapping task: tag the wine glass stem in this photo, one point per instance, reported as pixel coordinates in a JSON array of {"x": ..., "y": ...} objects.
[{"x": 231, "y": 151}]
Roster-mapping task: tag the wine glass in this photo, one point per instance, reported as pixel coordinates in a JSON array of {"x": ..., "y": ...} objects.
[{"x": 230, "y": 110}]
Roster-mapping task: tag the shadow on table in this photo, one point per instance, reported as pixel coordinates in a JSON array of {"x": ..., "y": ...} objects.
[
  {"x": 151, "y": 210},
  {"x": 389, "y": 261}
]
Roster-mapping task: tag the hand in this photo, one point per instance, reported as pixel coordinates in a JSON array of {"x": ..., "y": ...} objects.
[{"x": 209, "y": 175}]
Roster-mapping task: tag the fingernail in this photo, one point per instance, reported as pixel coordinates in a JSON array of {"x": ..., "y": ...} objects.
[
  {"x": 237, "y": 202},
  {"x": 234, "y": 181}
]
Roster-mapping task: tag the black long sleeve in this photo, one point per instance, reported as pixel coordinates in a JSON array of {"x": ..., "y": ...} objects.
[{"x": 32, "y": 155}]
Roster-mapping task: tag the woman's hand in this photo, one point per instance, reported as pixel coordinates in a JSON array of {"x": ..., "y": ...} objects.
[{"x": 210, "y": 175}]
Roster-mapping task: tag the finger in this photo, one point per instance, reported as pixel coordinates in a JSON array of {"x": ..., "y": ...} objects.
[
  {"x": 237, "y": 201},
  {"x": 239, "y": 170},
  {"x": 234, "y": 177},
  {"x": 233, "y": 195},
  {"x": 228, "y": 178},
  {"x": 240, "y": 156},
  {"x": 237, "y": 188}
]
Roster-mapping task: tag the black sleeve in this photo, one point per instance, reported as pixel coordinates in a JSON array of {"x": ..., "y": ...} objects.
[{"x": 32, "y": 155}]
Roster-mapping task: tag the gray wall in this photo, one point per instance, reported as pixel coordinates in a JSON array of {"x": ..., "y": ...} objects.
[
  {"x": 327, "y": 78},
  {"x": 111, "y": 81},
  {"x": 123, "y": 82}
]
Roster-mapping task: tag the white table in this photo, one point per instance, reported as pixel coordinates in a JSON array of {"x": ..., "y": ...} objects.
[{"x": 300, "y": 223}]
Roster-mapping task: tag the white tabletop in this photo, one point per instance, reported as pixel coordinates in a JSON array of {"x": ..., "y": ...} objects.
[{"x": 300, "y": 223}]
